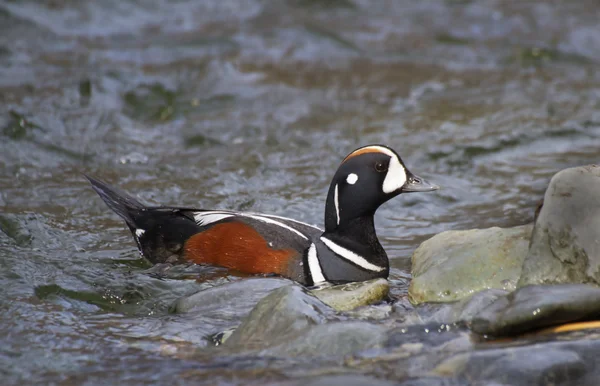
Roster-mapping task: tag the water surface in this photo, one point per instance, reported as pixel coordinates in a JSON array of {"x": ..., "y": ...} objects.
[{"x": 251, "y": 105}]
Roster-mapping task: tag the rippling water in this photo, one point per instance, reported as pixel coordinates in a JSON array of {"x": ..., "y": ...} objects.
[{"x": 251, "y": 105}]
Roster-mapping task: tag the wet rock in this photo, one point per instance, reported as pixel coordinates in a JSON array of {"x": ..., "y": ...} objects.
[
  {"x": 349, "y": 296},
  {"x": 455, "y": 264},
  {"x": 413, "y": 351},
  {"x": 231, "y": 297},
  {"x": 556, "y": 363},
  {"x": 220, "y": 337},
  {"x": 565, "y": 244},
  {"x": 462, "y": 311},
  {"x": 404, "y": 312},
  {"x": 376, "y": 312},
  {"x": 281, "y": 316},
  {"x": 339, "y": 380},
  {"x": 332, "y": 340},
  {"x": 12, "y": 227},
  {"x": 349, "y": 380},
  {"x": 534, "y": 307}
]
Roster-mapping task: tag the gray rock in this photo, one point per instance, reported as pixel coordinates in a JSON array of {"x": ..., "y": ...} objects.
[
  {"x": 348, "y": 380},
  {"x": 539, "y": 306},
  {"x": 282, "y": 315},
  {"x": 455, "y": 264},
  {"x": 565, "y": 244},
  {"x": 338, "y": 380},
  {"x": 376, "y": 312},
  {"x": 404, "y": 312},
  {"x": 332, "y": 340},
  {"x": 462, "y": 311},
  {"x": 236, "y": 297},
  {"x": 349, "y": 296},
  {"x": 554, "y": 364}
]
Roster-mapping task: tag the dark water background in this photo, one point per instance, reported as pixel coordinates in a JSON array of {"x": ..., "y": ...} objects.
[{"x": 250, "y": 105}]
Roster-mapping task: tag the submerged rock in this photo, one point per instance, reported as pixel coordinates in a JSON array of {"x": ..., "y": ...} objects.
[
  {"x": 555, "y": 363},
  {"x": 290, "y": 321},
  {"x": 455, "y": 264},
  {"x": 461, "y": 311},
  {"x": 534, "y": 307},
  {"x": 338, "y": 380},
  {"x": 235, "y": 296},
  {"x": 281, "y": 316},
  {"x": 332, "y": 340},
  {"x": 565, "y": 244},
  {"x": 349, "y": 296}
]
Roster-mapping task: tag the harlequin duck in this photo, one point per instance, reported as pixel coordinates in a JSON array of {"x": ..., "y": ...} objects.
[{"x": 348, "y": 250}]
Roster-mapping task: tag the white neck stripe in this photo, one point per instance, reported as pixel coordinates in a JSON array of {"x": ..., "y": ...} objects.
[
  {"x": 337, "y": 204},
  {"x": 314, "y": 267},
  {"x": 351, "y": 256}
]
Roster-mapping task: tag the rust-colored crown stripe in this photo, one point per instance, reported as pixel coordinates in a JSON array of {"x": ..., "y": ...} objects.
[{"x": 364, "y": 150}]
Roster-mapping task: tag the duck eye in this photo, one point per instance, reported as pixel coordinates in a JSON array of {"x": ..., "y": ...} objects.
[{"x": 380, "y": 167}]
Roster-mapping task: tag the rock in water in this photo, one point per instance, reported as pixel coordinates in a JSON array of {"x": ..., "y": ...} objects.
[
  {"x": 565, "y": 244},
  {"x": 455, "y": 264},
  {"x": 232, "y": 297},
  {"x": 332, "y": 340},
  {"x": 282, "y": 315},
  {"x": 538, "y": 306},
  {"x": 349, "y": 296}
]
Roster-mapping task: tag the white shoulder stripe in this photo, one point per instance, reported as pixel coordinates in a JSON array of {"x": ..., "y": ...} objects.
[
  {"x": 314, "y": 266},
  {"x": 278, "y": 223},
  {"x": 288, "y": 219},
  {"x": 351, "y": 256},
  {"x": 209, "y": 217}
]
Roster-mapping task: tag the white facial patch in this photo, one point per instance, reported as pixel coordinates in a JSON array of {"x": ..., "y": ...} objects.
[
  {"x": 352, "y": 178},
  {"x": 396, "y": 175},
  {"x": 313, "y": 265},
  {"x": 336, "y": 204}
]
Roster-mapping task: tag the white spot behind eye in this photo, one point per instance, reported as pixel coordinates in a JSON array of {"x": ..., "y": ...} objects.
[{"x": 352, "y": 178}]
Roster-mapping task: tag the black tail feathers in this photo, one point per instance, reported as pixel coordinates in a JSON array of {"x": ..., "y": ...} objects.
[{"x": 120, "y": 202}]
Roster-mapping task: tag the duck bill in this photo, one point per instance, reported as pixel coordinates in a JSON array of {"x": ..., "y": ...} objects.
[{"x": 417, "y": 184}]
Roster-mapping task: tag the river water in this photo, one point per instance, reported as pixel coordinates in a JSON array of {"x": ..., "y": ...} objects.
[{"x": 251, "y": 105}]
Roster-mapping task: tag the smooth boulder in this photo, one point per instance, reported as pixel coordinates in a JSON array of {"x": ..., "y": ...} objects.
[
  {"x": 565, "y": 244},
  {"x": 332, "y": 340},
  {"x": 461, "y": 311},
  {"x": 230, "y": 298},
  {"x": 454, "y": 265},
  {"x": 282, "y": 315},
  {"x": 346, "y": 297},
  {"x": 535, "y": 307}
]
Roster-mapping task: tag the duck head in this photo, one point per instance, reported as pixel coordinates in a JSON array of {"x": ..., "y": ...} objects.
[{"x": 366, "y": 178}]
